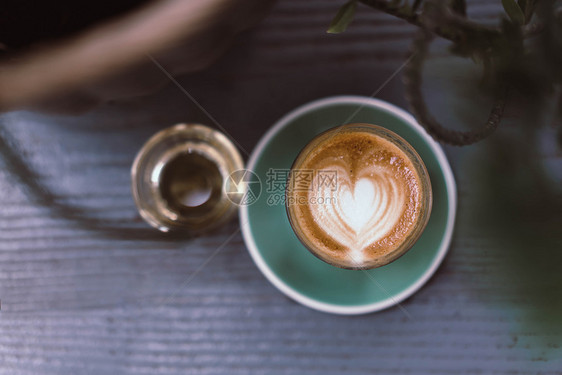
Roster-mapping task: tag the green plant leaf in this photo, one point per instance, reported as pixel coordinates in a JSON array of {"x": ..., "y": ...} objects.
[
  {"x": 343, "y": 18},
  {"x": 514, "y": 11}
]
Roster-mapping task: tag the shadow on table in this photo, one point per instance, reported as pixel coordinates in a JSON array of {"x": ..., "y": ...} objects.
[
  {"x": 521, "y": 211},
  {"x": 23, "y": 172}
]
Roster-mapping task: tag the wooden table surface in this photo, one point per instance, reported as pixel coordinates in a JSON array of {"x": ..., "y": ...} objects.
[{"x": 87, "y": 288}]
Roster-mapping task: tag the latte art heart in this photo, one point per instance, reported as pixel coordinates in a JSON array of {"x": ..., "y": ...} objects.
[
  {"x": 357, "y": 209},
  {"x": 370, "y": 208},
  {"x": 361, "y": 212}
]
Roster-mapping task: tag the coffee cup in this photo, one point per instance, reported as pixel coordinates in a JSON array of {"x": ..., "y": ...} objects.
[
  {"x": 289, "y": 265},
  {"x": 358, "y": 196}
]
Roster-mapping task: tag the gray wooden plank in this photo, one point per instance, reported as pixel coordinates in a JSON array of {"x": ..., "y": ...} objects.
[{"x": 77, "y": 300}]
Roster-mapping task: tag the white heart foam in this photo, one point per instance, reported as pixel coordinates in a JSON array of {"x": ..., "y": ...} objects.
[
  {"x": 358, "y": 213},
  {"x": 356, "y": 208}
]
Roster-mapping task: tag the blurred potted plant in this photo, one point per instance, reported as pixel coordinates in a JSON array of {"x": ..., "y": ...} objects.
[{"x": 520, "y": 57}]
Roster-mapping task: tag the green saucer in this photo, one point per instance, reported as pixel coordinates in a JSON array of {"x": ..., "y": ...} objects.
[{"x": 289, "y": 266}]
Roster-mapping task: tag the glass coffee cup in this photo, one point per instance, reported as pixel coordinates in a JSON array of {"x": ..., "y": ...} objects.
[{"x": 358, "y": 196}]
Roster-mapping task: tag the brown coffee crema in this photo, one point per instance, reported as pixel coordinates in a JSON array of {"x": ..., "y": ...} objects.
[{"x": 355, "y": 197}]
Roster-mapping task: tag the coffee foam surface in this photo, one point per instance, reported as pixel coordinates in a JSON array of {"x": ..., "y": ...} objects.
[{"x": 372, "y": 207}]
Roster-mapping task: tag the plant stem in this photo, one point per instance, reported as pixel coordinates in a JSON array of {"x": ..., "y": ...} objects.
[
  {"x": 457, "y": 25},
  {"x": 382, "y": 5},
  {"x": 413, "y": 86}
]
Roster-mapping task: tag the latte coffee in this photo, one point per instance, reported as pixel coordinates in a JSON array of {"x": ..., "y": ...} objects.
[{"x": 358, "y": 196}]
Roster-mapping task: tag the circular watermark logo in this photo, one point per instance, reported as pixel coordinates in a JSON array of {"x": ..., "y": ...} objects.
[{"x": 242, "y": 187}]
